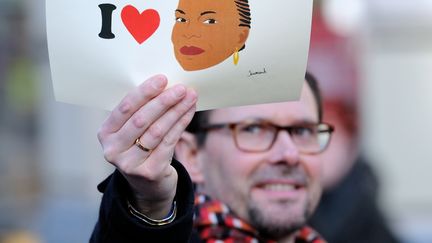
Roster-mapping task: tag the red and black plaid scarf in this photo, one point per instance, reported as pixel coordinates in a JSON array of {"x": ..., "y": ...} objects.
[{"x": 216, "y": 223}]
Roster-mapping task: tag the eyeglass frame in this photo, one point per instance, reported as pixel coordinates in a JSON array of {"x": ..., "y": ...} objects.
[{"x": 289, "y": 129}]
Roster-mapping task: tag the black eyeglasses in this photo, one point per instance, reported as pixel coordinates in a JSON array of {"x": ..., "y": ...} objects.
[{"x": 259, "y": 136}]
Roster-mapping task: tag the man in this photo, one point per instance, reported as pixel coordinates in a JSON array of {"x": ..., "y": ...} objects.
[{"x": 257, "y": 165}]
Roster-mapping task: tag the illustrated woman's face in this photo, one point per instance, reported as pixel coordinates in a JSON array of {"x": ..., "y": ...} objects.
[{"x": 206, "y": 32}]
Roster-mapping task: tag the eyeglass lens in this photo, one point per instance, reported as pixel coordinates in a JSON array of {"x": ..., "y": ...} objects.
[{"x": 260, "y": 137}]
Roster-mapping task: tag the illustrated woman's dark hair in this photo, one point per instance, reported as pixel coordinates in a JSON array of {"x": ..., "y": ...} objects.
[{"x": 244, "y": 12}]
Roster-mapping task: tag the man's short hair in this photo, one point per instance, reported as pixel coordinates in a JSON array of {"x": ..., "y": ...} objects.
[{"x": 200, "y": 118}]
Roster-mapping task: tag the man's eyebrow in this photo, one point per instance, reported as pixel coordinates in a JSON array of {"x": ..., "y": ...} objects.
[
  {"x": 180, "y": 11},
  {"x": 207, "y": 12},
  {"x": 306, "y": 122}
]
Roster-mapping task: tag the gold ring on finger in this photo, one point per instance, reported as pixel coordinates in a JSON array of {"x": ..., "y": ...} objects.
[{"x": 142, "y": 147}]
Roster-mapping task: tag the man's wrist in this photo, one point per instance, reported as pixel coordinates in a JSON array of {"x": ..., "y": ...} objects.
[{"x": 154, "y": 222}]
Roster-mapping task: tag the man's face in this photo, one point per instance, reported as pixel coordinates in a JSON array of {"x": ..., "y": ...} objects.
[{"x": 276, "y": 190}]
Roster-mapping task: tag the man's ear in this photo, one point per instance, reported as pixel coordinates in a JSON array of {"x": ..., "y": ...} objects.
[{"x": 186, "y": 151}]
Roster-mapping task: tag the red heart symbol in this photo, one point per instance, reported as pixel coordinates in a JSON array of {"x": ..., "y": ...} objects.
[{"x": 140, "y": 25}]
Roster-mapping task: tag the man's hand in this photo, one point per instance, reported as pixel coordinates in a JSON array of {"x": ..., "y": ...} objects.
[{"x": 157, "y": 118}]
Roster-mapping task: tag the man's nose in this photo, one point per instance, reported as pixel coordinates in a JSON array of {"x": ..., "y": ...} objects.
[{"x": 284, "y": 149}]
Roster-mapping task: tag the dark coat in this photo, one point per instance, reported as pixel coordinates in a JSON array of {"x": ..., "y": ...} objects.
[
  {"x": 116, "y": 225},
  {"x": 349, "y": 213}
]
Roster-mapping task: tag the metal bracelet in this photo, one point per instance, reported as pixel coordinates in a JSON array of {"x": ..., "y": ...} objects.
[{"x": 155, "y": 222}]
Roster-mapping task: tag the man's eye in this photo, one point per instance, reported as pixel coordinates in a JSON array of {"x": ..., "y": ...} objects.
[
  {"x": 252, "y": 128},
  {"x": 210, "y": 21},
  {"x": 303, "y": 131},
  {"x": 181, "y": 20}
]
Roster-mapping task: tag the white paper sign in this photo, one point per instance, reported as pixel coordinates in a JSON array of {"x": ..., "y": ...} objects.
[{"x": 232, "y": 52}]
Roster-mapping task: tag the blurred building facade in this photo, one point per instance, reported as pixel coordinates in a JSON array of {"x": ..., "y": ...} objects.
[{"x": 19, "y": 180}]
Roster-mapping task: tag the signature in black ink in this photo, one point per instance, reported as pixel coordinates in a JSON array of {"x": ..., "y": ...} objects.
[{"x": 264, "y": 71}]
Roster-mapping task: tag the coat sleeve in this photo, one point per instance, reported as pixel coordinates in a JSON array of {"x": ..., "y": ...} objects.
[{"x": 116, "y": 224}]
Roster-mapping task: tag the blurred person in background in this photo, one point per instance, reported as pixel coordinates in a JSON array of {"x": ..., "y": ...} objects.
[{"x": 349, "y": 210}]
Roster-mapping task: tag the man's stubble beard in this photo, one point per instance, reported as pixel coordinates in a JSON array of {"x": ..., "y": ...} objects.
[{"x": 274, "y": 228}]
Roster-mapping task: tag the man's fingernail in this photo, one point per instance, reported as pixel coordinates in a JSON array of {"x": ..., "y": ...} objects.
[
  {"x": 159, "y": 82},
  {"x": 193, "y": 96}
]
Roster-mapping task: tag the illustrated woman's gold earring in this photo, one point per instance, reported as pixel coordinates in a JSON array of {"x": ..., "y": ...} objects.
[{"x": 236, "y": 57}]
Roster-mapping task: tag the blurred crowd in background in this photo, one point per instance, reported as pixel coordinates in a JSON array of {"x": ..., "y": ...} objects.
[{"x": 373, "y": 59}]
